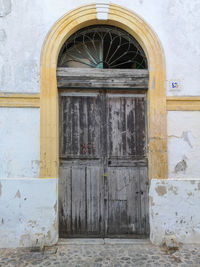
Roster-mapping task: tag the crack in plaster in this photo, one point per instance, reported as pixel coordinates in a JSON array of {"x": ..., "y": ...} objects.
[
  {"x": 55, "y": 207},
  {"x": 18, "y": 195},
  {"x": 185, "y": 137}
]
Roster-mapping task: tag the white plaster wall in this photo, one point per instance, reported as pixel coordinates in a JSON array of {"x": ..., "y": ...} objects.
[
  {"x": 24, "y": 25},
  {"x": 174, "y": 211},
  {"x": 19, "y": 142},
  {"x": 28, "y": 216},
  {"x": 184, "y": 144}
]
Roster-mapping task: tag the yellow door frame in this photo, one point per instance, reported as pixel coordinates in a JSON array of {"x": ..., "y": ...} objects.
[{"x": 49, "y": 120}]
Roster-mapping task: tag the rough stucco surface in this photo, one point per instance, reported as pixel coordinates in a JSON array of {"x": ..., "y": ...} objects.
[
  {"x": 25, "y": 205},
  {"x": 184, "y": 144},
  {"x": 19, "y": 142},
  {"x": 29, "y": 22},
  {"x": 174, "y": 210}
]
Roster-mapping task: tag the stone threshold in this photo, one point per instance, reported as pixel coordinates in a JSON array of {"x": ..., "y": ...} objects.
[{"x": 102, "y": 241}]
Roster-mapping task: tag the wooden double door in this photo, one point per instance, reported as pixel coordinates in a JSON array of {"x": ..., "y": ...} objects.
[{"x": 103, "y": 185}]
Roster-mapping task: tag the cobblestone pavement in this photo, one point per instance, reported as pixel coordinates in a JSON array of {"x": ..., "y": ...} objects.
[{"x": 97, "y": 255}]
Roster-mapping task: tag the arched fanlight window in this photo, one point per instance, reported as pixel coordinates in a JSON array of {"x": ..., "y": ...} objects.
[{"x": 104, "y": 47}]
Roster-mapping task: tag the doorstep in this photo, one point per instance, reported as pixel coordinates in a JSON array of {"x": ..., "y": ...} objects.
[{"x": 101, "y": 241}]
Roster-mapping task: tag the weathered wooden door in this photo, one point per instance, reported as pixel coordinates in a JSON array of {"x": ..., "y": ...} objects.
[{"x": 103, "y": 188}]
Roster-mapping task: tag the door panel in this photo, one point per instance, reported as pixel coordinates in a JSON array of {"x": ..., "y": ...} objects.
[
  {"x": 80, "y": 201},
  {"x": 127, "y": 165},
  {"x": 127, "y": 201},
  {"x": 126, "y": 126},
  {"x": 122, "y": 203},
  {"x": 121, "y": 135},
  {"x": 103, "y": 186},
  {"x": 80, "y": 126}
]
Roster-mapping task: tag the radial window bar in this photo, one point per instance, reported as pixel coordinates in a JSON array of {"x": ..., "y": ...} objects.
[{"x": 103, "y": 47}]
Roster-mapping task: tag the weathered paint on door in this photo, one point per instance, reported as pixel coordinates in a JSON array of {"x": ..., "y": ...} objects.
[{"x": 103, "y": 188}]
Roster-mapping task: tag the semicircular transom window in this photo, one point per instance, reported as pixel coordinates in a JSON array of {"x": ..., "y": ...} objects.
[{"x": 103, "y": 47}]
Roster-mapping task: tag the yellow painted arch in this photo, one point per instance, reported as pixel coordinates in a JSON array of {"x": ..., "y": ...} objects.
[{"x": 49, "y": 121}]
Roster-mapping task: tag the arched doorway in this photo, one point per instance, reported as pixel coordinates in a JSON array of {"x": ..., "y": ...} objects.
[
  {"x": 156, "y": 96},
  {"x": 103, "y": 186}
]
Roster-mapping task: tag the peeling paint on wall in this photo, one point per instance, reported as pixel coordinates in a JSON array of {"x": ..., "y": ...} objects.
[
  {"x": 32, "y": 223},
  {"x": 176, "y": 213},
  {"x": 151, "y": 201},
  {"x": 184, "y": 144},
  {"x": 161, "y": 190},
  {"x": 49, "y": 235},
  {"x": 173, "y": 189},
  {"x": 180, "y": 166},
  {"x": 28, "y": 213}
]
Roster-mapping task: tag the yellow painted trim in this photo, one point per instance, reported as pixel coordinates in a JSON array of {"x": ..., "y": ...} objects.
[
  {"x": 63, "y": 28},
  {"x": 191, "y": 103},
  {"x": 19, "y": 100}
]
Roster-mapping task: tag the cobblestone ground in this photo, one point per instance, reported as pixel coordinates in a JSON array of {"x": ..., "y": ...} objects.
[{"x": 117, "y": 255}]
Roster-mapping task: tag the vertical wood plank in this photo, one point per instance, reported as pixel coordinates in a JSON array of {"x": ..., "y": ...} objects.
[
  {"x": 65, "y": 201},
  {"x": 130, "y": 129},
  {"x": 133, "y": 199},
  {"x": 78, "y": 201},
  {"x": 94, "y": 200},
  {"x": 140, "y": 126},
  {"x": 144, "y": 198}
]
